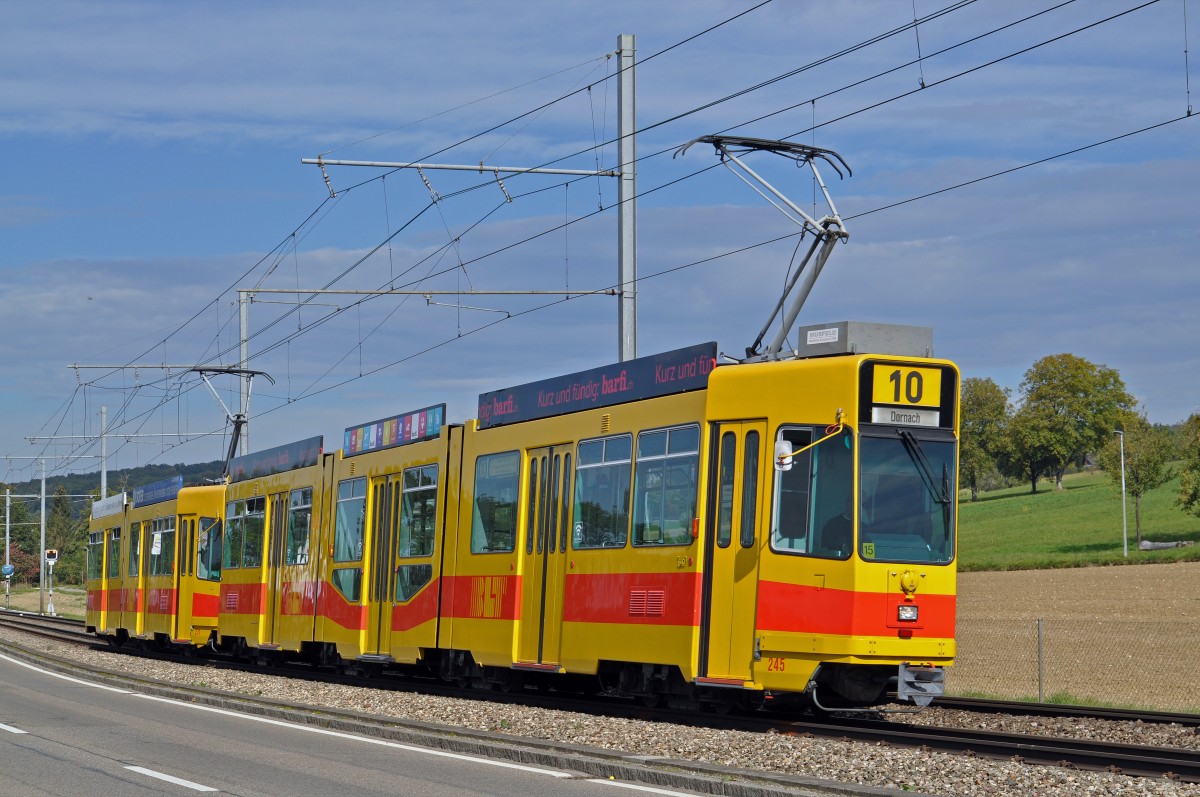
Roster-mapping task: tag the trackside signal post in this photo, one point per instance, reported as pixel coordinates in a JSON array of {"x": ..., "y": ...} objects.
[
  {"x": 7, "y": 572},
  {"x": 8, "y": 568},
  {"x": 51, "y": 558}
]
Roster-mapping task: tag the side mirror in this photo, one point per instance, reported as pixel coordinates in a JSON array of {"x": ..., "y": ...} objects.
[{"x": 783, "y": 455}]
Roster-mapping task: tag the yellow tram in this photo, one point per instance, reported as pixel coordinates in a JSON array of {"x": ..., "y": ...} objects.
[
  {"x": 148, "y": 572},
  {"x": 662, "y": 527}
]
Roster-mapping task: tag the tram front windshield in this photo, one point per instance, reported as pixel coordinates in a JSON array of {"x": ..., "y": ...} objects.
[{"x": 907, "y": 492}]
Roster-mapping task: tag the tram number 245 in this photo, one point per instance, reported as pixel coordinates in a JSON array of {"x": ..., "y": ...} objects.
[{"x": 776, "y": 665}]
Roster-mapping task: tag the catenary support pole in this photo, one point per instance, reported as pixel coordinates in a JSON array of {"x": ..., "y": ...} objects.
[
  {"x": 244, "y": 298},
  {"x": 626, "y": 195},
  {"x": 42, "y": 549},
  {"x": 103, "y": 452}
]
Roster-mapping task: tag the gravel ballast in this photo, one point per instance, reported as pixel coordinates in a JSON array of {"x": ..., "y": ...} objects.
[{"x": 849, "y": 763}]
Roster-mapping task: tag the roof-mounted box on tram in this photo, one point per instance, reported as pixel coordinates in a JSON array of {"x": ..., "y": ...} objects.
[{"x": 857, "y": 337}]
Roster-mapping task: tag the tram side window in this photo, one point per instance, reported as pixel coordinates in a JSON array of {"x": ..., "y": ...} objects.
[
  {"x": 566, "y": 501},
  {"x": 351, "y": 517},
  {"x": 135, "y": 545},
  {"x": 418, "y": 517},
  {"x": 813, "y": 501},
  {"x": 235, "y": 525},
  {"x": 299, "y": 524},
  {"x": 418, "y": 514},
  {"x": 494, "y": 515},
  {"x": 162, "y": 546},
  {"x": 348, "y": 537},
  {"x": 252, "y": 531},
  {"x": 114, "y": 553},
  {"x": 95, "y": 555},
  {"x": 208, "y": 556},
  {"x": 668, "y": 463},
  {"x": 749, "y": 489},
  {"x": 602, "y": 471}
]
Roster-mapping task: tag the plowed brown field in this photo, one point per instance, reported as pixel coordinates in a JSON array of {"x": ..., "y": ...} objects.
[{"x": 1125, "y": 635}]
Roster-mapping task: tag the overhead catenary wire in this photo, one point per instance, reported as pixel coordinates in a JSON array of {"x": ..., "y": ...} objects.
[
  {"x": 848, "y": 49},
  {"x": 955, "y": 6},
  {"x": 870, "y": 211},
  {"x": 644, "y": 60}
]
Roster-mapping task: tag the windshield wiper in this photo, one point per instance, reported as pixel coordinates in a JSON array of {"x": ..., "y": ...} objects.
[{"x": 916, "y": 453}]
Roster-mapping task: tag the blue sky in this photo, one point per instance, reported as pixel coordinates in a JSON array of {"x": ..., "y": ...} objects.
[{"x": 152, "y": 167}]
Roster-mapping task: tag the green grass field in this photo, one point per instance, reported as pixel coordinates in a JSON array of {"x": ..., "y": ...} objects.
[{"x": 1078, "y": 526}]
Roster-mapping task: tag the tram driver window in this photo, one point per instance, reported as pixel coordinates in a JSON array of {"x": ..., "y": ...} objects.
[
  {"x": 494, "y": 512},
  {"x": 789, "y": 531},
  {"x": 812, "y": 497},
  {"x": 601, "y": 515}
]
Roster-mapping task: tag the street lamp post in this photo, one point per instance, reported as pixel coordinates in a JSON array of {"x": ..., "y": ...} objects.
[{"x": 1124, "y": 517}]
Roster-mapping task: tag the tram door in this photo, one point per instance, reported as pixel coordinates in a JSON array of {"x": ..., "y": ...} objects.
[
  {"x": 385, "y": 498},
  {"x": 289, "y": 614},
  {"x": 139, "y": 558},
  {"x": 183, "y": 574},
  {"x": 543, "y": 556},
  {"x": 734, "y": 546},
  {"x": 275, "y": 575}
]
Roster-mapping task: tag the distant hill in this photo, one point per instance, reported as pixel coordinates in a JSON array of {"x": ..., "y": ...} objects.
[{"x": 118, "y": 480}]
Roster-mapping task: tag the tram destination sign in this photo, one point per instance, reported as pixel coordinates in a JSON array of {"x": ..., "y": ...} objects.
[
  {"x": 157, "y": 492},
  {"x": 907, "y": 394},
  {"x": 398, "y": 430},
  {"x": 279, "y": 459},
  {"x": 645, "y": 377}
]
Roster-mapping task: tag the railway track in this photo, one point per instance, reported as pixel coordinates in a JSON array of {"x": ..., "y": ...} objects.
[
  {"x": 63, "y": 629},
  {"x": 1021, "y": 708},
  {"x": 1134, "y": 760}
]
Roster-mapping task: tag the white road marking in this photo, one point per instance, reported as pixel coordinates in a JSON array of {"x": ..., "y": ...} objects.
[
  {"x": 636, "y": 787},
  {"x": 172, "y": 779},
  {"x": 64, "y": 677},
  {"x": 11, "y": 729},
  {"x": 323, "y": 731},
  {"x": 365, "y": 739}
]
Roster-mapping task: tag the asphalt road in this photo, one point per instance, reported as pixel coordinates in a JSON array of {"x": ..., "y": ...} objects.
[{"x": 64, "y": 737}]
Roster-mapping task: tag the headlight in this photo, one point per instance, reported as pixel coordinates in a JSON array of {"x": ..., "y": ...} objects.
[{"x": 906, "y": 612}]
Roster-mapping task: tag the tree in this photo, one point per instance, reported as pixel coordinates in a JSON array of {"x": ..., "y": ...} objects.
[
  {"x": 1147, "y": 452},
  {"x": 68, "y": 536},
  {"x": 1189, "y": 477},
  {"x": 1029, "y": 450},
  {"x": 1075, "y": 406},
  {"x": 985, "y": 416}
]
